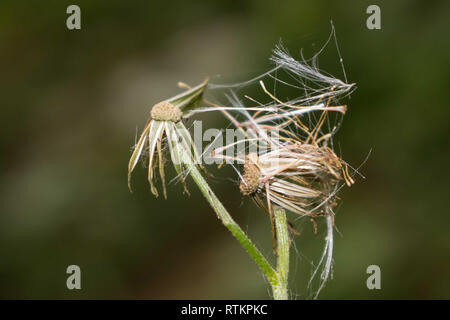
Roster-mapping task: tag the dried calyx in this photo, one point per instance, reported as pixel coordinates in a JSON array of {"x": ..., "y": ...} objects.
[
  {"x": 251, "y": 176},
  {"x": 165, "y": 111}
]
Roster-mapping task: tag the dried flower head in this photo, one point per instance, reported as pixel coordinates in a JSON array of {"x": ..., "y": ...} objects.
[{"x": 165, "y": 127}]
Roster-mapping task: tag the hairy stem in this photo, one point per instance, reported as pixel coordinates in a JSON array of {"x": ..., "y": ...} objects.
[
  {"x": 281, "y": 291},
  {"x": 270, "y": 274}
]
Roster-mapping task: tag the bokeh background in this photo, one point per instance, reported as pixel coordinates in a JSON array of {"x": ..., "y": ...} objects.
[{"x": 71, "y": 102}]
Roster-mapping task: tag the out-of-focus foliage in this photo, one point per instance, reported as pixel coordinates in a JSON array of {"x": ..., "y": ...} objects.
[{"x": 71, "y": 101}]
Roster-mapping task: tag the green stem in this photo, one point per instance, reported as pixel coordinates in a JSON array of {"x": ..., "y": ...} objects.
[
  {"x": 270, "y": 274},
  {"x": 281, "y": 291}
]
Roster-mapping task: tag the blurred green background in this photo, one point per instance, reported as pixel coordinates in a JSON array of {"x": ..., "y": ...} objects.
[{"x": 71, "y": 102}]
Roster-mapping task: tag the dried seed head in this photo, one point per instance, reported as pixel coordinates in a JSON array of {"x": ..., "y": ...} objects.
[
  {"x": 250, "y": 181},
  {"x": 164, "y": 129},
  {"x": 300, "y": 177},
  {"x": 165, "y": 111}
]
